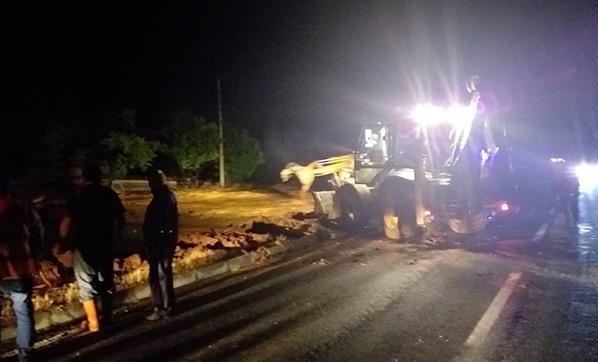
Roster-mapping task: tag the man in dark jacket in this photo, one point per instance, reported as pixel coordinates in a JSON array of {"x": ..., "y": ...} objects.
[
  {"x": 17, "y": 268},
  {"x": 95, "y": 221},
  {"x": 566, "y": 190},
  {"x": 160, "y": 230}
]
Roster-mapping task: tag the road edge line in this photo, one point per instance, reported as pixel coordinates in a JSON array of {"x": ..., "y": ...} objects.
[{"x": 477, "y": 337}]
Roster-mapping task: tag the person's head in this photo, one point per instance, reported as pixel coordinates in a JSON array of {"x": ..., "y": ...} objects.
[
  {"x": 156, "y": 179},
  {"x": 92, "y": 173},
  {"x": 75, "y": 177}
]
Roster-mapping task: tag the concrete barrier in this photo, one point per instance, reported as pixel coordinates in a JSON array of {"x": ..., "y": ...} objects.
[{"x": 123, "y": 187}]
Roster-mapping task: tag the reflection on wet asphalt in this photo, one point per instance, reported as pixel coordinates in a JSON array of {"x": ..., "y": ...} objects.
[
  {"x": 587, "y": 239},
  {"x": 582, "y": 314}
]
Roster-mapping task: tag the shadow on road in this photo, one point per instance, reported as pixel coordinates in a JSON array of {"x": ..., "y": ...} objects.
[{"x": 194, "y": 309}]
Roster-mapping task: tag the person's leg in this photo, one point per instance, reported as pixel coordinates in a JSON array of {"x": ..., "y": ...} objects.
[
  {"x": 85, "y": 276},
  {"x": 23, "y": 308},
  {"x": 106, "y": 288},
  {"x": 107, "y": 308},
  {"x": 155, "y": 286},
  {"x": 166, "y": 282},
  {"x": 574, "y": 207},
  {"x": 86, "y": 281},
  {"x": 154, "y": 278}
]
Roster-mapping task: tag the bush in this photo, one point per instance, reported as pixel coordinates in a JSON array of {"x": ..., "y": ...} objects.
[
  {"x": 132, "y": 152},
  {"x": 242, "y": 154}
]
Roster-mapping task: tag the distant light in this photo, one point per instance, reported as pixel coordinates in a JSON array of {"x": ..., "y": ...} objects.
[
  {"x": 587, "y": 176},
  {"x": 427, "y": 213},
  {"x": 557, "y": 160},
  {"x": 504, "y": 207}
]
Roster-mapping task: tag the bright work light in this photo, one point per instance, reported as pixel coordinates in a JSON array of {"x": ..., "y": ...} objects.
[
  {"x": 587, "y": 176},
  {"x": 428, "y": 115}
]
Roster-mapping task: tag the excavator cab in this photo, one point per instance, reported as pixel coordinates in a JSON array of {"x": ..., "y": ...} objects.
[{"x": 374, "y": 147}]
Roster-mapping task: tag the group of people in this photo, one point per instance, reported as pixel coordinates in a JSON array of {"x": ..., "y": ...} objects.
[{"x": 92, "y": 225}]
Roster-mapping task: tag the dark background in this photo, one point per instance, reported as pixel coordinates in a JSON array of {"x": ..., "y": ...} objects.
[{"x": 299, "y": 74}]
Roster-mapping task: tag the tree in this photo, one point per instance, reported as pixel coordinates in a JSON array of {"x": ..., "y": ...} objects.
[
  {"x": 191, "y": 140},
  {"x": 56, "y": 147},
  {"x": 53, "y": 143},
  {"x": 132, "y": 152},
  {"x": 242, "y": 154}
]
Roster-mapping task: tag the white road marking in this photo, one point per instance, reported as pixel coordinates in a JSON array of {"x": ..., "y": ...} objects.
[
  {"x": 481, "y": 329},
  {"x": 541, "y": 232}
]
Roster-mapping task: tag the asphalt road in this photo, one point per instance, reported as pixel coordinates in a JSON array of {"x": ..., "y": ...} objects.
[{"x": 532, "y": 297}]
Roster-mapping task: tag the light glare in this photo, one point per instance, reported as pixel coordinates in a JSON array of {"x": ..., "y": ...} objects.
[
  {"x": 587, "y": 176},
  {"x": 428, "y": 115}
]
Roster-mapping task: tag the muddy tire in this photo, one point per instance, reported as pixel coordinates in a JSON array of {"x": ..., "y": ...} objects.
[
  {"x": 351, "y": 203},
  {"x": 396, "y": 200},
  {"x": 468, "y": 225},
  {"x": 390, "y": 223}
]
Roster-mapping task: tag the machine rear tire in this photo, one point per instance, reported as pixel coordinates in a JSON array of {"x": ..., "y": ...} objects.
[{"x": 468, "y": 225}]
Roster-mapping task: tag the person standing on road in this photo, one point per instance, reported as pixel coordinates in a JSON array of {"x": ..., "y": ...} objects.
[
  {"x": 566, "y": 189},
  {"x": 17, "y": 268},
  {"x": 95, "y": 221},
  {"x": 160, "y": 231}
]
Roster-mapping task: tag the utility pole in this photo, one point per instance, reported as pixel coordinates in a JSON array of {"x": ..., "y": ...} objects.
[{"x": 220, "y": 134}]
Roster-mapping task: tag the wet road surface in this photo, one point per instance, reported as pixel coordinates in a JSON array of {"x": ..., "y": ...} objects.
[{"x": 531, "y": 298}]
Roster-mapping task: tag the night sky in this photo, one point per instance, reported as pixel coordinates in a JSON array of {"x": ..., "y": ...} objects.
[{"x": 300, "y": 74}]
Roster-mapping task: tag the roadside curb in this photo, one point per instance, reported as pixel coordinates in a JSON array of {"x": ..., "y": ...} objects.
[{"x": 251, "y": 260}]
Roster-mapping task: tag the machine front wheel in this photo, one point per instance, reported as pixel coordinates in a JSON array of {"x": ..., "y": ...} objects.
[
  {"x": 397, "y": 205},
  {"x": 351, "y": 204},
  {"x": 391, "y": 223}
]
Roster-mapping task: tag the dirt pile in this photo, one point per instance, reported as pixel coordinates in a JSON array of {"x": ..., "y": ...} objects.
[{"x": 56, "y": 286}]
